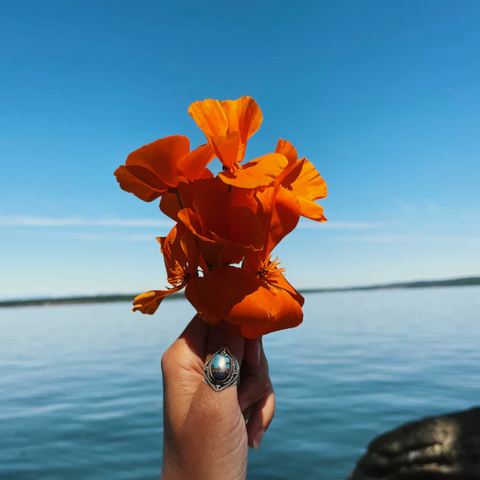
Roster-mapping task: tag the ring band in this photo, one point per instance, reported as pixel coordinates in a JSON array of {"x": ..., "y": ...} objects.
[{"x": 221, "y": 370}]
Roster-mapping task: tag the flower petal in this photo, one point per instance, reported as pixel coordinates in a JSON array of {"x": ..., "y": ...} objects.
[
  {"x": 237, "y": 227},
  {"x": 161, "y": 157},
  {"x": 227, "y": 125},
  {"x": 311, "y": 210},
  {"x": 169, "y": 206},
  {"x": 193, "y": 164},
  {"x": 304, "y": 180},
  {"x": 148, "y": 302},
  {"x": 225, "y": 233},
  {"x": 280, "y": 212},
  {"x": 257, "y": 173},
  {"x": 209, "y": 117},
  {"x": 172, "y": 251},
  {"x": 211, "y": 250},
  {"x": 226, "y": 148},
  {"x": 132, "y": 184},
  {"x": 190, "y": 190},
  {"x": 285, "y": 148},
  {"x": 244, "y": 116},
  {"x": 245, "y": 228}
]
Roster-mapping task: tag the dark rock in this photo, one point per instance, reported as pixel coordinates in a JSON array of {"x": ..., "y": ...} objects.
[{"x": 434, "y": 448}]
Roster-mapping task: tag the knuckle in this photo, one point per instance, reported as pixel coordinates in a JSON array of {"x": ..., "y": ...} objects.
[{"x": 167, "y": 360}]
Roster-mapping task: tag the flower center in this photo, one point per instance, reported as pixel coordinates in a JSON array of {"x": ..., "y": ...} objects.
[
  {"x": 178, "y": 276},
  {"x": 269, "y": 269}
]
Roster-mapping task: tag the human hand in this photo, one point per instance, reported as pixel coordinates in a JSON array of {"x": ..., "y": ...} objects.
[{"x": 206, "y": 436}]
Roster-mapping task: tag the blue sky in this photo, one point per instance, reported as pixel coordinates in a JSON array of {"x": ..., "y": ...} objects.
[{"x": 382, "y": 96}]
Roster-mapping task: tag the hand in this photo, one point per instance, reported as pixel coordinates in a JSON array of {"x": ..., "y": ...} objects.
[{"x": 206, "y": 436}]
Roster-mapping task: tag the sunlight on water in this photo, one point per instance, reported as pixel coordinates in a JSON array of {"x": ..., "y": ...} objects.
[{"x": 80, "y": 386}]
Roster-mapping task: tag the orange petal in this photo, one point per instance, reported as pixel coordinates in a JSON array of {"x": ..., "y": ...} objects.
[
  {"x": 239, "y": 297},
  {"x": 193, "y": 164},
  {"x": 238, "y": 228},
  {"x": 132, "y": 184},
  {"x": 212, "y": 207},
  {"x": 226, "y": 148},
  {"x": 227, "y": 125},
  {"x": 224, "y": 234},
  {"x": 206, "y": 174},
  {"x": 244, "y": 116},
  {"x": 172, "y": 251},
  {"x": 305, "y": 181},
  {"x": 279, "y": 215},
  {"x": 161, "y": 157},
  {"x": 211, "y": 250},
  {"x": 257, "y": 173},
  {"x": 148, "y": 302},
  {"x": 245, "y": 228},
  {"x": 243, "y": 197},
  {"x": 191, "y": 250},
  {"x": 285, "y": 148},
  {"x": 209, "y": 117},
  {"x": 169, "y": 206},
  {"x": 279, "y": 281},
  {"x": 311, "y": 210},
  {"x": 189, "y": 191}
]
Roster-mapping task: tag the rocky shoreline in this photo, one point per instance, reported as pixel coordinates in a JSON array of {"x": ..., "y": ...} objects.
[{"x": 433, "y": 448}]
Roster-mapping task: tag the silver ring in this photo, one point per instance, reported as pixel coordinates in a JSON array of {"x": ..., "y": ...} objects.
[{"x": 222, "y": 370}]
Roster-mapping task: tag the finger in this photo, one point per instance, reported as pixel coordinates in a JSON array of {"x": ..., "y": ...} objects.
[
  {"x": 247, "y": 413},
  {"x": 195, "y": 335},
  {"x": 255, "y": 382},
  {"x": 253, "y": 351},
  {"x": 226, "y": 335},
  {"x": 260, "y": 419},
  {"x": 251, "y": 390},
  {"x": 208, "y": 404},
  {"x": 188, "y": 351}
]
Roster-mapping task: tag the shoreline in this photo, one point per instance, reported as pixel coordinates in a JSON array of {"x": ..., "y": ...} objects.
[{"x": 114, "y": 298}]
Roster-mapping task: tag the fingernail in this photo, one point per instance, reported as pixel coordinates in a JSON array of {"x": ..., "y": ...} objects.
[
  {"x": 259, "y": 353},
  {"x": 257, "y": 439}
]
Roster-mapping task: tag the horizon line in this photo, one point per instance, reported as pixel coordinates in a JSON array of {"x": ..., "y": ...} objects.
[{"x": 125, "y": 297}]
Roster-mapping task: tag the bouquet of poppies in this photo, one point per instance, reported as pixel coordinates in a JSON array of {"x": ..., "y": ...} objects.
[{"x": 220, "y": 249}]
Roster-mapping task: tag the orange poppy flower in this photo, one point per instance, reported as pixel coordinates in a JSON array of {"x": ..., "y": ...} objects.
[
  {"x": 228, "y": 125},
  {"x": 236, "y": 218},
  {"x": 181, "y": 257},
  {"x": 154, "y": 169},
  {"x": 301, "y": 177}
]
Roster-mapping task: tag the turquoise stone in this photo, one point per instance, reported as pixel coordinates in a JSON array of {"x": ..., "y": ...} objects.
[{"x": 220, "y": 367}]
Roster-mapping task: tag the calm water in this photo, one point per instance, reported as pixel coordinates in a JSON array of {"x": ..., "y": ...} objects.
[{"x": 80, "y": 386}]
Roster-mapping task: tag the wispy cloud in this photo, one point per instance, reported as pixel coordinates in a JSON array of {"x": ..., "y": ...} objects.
[
  {"x": 93, "y": 237},
  {"x": 77, "y": 221},
  {"x": 342, "y": 225},
  {"x": 411, "y": 239}
]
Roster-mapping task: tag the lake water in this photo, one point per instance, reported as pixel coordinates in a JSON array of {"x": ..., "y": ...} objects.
[{"x": 81, "y": 393}]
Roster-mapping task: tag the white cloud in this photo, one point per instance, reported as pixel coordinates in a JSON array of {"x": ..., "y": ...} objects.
[
  {"x": 308, "y": 224},
  {"x": 93, "y": 237},
  {"x": 411, "y": 238},
  {"x": 77, "y": 221}
]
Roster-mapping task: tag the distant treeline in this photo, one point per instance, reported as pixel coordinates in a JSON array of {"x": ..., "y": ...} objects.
[{"x": 456, "y": 282}]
